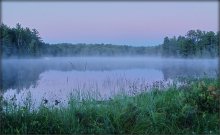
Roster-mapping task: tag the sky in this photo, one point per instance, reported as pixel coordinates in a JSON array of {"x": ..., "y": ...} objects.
[{"x": 119, "y": 23}]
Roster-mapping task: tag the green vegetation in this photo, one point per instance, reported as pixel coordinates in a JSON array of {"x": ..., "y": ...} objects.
[
  {"x": 191, "y": 108},
  {"x": 196, "y": 43},
  {"x": 23, "y": 42},
  {"x": 20, "y": 42}
]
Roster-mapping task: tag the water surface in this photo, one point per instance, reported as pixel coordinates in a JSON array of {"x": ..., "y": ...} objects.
[{"x": 98, "y": 78}]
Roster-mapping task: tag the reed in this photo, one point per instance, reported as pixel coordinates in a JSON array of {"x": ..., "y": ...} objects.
[{"x": 191, "y": 109}]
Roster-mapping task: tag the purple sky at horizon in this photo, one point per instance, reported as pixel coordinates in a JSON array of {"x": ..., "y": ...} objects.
[{"x": 122, "y": 23}]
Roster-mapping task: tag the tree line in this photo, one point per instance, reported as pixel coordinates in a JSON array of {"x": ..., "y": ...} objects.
[
  {"x": 26, "y": 42},
  {"x": 196, "y": 43},
  {"x": 20, "y": 41}
]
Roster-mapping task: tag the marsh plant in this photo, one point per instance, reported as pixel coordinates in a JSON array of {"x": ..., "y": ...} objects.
[{"x": 190, "y": 109}]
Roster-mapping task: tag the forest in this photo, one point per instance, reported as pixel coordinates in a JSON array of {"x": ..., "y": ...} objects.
[{"x": 25, "y": 42}]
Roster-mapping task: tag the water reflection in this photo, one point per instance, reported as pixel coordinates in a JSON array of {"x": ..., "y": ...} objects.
[{"x": 55, "y": 78}]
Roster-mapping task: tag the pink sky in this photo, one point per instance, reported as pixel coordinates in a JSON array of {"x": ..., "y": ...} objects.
[{"x": 125, "y": 23}]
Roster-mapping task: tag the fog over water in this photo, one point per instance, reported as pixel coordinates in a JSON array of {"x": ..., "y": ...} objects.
[{"x": 94, "y": 77}]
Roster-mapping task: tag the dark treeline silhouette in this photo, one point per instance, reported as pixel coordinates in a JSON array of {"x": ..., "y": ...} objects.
[
  {"x": 20, "y": 41},
  {"x": 196, "y": 43},
  {"x": 25, "y": 42},
  {"x": 65, "y": 49}
]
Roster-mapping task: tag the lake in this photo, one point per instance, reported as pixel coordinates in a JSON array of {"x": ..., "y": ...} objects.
[{"x": 98, "y": 78}]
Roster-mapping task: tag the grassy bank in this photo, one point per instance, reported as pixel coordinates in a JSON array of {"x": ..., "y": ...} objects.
[{"x": 192, "y": 108}]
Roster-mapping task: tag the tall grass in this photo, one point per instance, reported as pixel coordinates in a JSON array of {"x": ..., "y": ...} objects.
[{"x": 189, "y": 109}]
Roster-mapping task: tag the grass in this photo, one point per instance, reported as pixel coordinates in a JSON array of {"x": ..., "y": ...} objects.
[{"x": 189, "y": 109}]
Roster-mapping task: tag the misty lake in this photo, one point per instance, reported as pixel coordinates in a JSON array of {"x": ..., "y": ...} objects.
[{"x": 94, "y": 77}]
